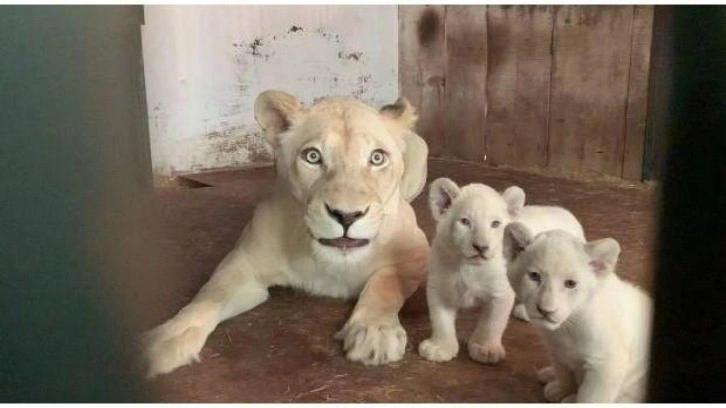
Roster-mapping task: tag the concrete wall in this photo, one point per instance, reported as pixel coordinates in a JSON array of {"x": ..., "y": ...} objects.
[{"x": 204, "y": 66}]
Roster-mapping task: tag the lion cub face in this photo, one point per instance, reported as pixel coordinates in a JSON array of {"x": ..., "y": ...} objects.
[
  {"x": 345, "y": 162},
  {"x": 554, "y": 273},
  {"x": 471, "y": 220}
]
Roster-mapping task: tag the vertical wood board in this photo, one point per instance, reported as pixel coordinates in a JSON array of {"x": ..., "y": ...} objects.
[
  {"x": 466, "y": 78},
  {"x": 590, "y": 77},
  {"x": 422, "y": 69},
  {"x": 518, "y": 82},
  {"x": 638, "y": 93}
]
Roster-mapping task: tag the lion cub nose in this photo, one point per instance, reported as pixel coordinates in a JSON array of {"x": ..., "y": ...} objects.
[
  {"x": 346, "y": 219},
  {"x": 544, "y": 312},
  {"x": 480, "y": 248}
]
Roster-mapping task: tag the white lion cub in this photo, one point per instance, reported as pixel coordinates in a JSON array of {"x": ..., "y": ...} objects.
[
  {"x": 467, "y": 266},
  {"x": 595, "y": 326}
]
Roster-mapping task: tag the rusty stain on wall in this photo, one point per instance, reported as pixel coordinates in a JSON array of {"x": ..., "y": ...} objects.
[{"x": 240, "y": 145}]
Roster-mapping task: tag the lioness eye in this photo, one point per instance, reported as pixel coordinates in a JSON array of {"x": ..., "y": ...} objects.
[
  {"x": 535, "y": 276},
  {"x": 465, "y": 221},
  {"x": 378, "y": 157},
  {"x": 570, "y": 284},
  {"x": 496, "y": 224},
  {"x": 312, "y": 155}
]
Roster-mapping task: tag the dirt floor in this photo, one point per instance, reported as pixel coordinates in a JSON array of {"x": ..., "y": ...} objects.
[{"x": 283, "y": 350}]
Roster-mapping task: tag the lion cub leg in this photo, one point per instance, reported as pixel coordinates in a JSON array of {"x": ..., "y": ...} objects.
[
  {"x": 233, "y": 289},
  {"x": 443, "y": 344},
  {"x": 520, "y": 312},
  {"x": 559, "y": 383},
  {"x": 485, "y": 344}
]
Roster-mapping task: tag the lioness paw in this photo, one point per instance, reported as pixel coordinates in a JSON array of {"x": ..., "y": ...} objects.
[
  {"x": 438, "y": 351},
  {"x": 487, "y": 353},
  {"x": 554, "y": 392},
  {"x": 373, "y": 344},
  {"x": 165, "y": 350}
]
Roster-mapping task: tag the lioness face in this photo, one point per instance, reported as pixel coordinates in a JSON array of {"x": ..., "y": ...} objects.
[
  {"x": 554, "y": 273},
  {"x": 471, "y": 219},
  {"x": 346, "y": 164},
  {"x": 346, "y": 167}
]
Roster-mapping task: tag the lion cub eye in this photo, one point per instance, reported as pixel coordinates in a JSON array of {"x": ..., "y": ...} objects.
[
  {"x": 535, "y": 276},
  {"x": 496, "y": 224},
  {"x": 378, "y": 157},
  {"x": 570, "y": 284},
  {"x": 465, "y": 221},
  {"x": 312, "y": 155}
]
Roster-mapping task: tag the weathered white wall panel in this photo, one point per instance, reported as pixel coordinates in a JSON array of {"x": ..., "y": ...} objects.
[{"x": 204, "y": 66}]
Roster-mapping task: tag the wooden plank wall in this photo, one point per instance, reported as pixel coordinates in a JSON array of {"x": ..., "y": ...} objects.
[{"x": 539, "y": 87}]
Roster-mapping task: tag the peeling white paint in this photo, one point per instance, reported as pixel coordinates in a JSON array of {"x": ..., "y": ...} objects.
[{"x": 204, "y": 66}]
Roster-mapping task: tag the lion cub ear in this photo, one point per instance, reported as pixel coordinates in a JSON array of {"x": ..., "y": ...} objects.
[
  {"x": 603, "y": 255},
  {"x": 401, "y": 112},
  {"x": 274, "y": 111},
  {"x": 514, "y": 197},
  {"x": 442, "y": 193},
  {"x": 516, "y": 238}
]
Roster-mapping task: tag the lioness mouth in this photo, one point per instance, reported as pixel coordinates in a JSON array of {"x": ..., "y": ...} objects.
[{"x": 343, "y": 242}]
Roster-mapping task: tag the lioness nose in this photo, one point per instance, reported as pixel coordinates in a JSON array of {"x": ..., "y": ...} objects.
[
  {"x": 480, "y": 248},
  {"x": 346, "y": 219},
  {"x": 544, "y": 312}
]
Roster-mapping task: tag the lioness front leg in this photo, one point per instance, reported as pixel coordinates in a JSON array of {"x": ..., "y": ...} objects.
[
  {"x": 485, "y": 344},
  {"x": 232, "y": 289},
  {"x": 373, "y": 334}
]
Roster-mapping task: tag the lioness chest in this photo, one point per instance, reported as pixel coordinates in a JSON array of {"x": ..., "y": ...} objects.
[{"x": 335, "y": 279}]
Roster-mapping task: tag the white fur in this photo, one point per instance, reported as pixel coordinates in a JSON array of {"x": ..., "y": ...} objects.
[
  {"x": 597, "y": 331},
  {"x": 462, "y": 276},
  {"x": 539, "y": 219}
]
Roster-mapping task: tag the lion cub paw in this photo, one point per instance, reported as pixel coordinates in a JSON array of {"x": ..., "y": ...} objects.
[
  {"x": 570, "y": 399},
  {"x": 520, "y": 312},
  {"x": 438, "y": 351},
  {"x": 487, "y": 353},
  {"x": 373, "y": 344},
  {"x": 546, "y": 375},
  {"x": 554, "y": 392}
]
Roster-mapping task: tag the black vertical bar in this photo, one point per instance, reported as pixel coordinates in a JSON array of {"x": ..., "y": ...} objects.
[{"x": 688, "y": 360}]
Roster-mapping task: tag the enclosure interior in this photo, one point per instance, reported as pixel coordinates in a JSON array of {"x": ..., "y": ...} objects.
[{"x": 550, "y": 98}]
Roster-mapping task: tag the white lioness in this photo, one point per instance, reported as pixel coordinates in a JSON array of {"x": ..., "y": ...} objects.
[
  {"x": 467, "y": 265},
  {"x": 339, "y": 224},
  {"x": 595, "y": 326}
]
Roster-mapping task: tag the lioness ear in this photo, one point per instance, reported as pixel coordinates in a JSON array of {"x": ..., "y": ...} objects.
[
  {"x": 603, "y": 255},
  {"x": 442, "y": 193},
  {"x": 274, "y": 111},
  {"x": 516, "y": 238},
  {"x": 401, "y": 112},
  {"x": 416, "y": 152},
  {"x": 415, "y": 165},
  {"x": 514, "y": 197}
]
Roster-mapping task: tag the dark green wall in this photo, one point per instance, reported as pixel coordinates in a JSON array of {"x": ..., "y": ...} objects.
[{"x": 74, "y": 159}]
